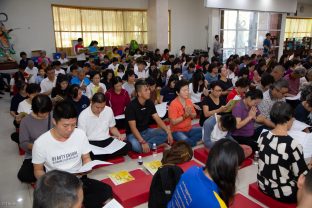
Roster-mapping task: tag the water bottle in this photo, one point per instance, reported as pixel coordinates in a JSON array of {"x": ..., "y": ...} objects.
[
  {"x": 154, "y": 149},
  {"x": 256, "y": 158},
  {"x": 140, "y": 161}
]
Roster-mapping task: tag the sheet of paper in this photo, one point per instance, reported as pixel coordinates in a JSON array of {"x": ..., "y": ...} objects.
[
  {"x": 305, "y": 139},
  {"x": 298, "y": 126},
  {"x": 122, "y": 116},
  {"x": 88, "y": 166},
  {"x": 110, "y": 149},
  {"x": 296, "y": 97},
  {"x": 121, "y": 177},
  {"x": 152, "y": 166},
  {"x": 113, "y": 204},
  {"x": 161, "y": 109}
]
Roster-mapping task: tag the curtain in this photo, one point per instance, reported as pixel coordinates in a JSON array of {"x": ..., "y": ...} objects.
[
  {"x": 298, "y": 28},
  {"x": 108, "y": 27}
]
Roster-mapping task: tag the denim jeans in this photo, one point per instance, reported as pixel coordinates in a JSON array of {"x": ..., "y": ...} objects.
[
  {"x": 191, "y": 137},
  {"x": 157, "y": 136}
]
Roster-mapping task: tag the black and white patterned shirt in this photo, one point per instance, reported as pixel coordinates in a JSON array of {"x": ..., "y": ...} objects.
[{"x": 281, "y": 162}]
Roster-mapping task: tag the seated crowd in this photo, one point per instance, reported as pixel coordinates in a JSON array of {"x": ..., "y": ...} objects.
[{"x": 59, "y": 108}]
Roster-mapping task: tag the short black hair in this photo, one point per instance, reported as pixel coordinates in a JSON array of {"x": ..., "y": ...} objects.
[
  {"x": 56, "y": 63},
  {"x": 254, "y": 94},
  {"x": 139, "y": 84},
  {"x": 98, "y": 97},
  {"x": 73, "y": 90},
  {"x": 216, "y": 36},
  {"x": 150, "y": 81},
  {"x": 172, "y": 78},
  {"x": 114, "y": 59},
  {"x": 116, "y": 80},
  {"x": 228, "y": 121},
  {"x": 267, "y": 79},
  {"x": 93, "y": 73},
  {"x": 56, "y": 189},
  {"x": 182, "y": 47},
  {"x": 242, "y": 82},
  {"x": 73, "y": 67},
  {"x": 41, "y": 104},
  {"x": 179, "y": 84},
  {"x": 64, "y": 110},
  {"x": 243, "y": 71},
  {"x": 268, "y": 34},
  {"x": 22, "y": 54},
  {"x": 80, "y": 39},
  {"x": 33, "y": 88},
  {"x": 281, "y": 112},
  {"x": 213, "y": 84}
]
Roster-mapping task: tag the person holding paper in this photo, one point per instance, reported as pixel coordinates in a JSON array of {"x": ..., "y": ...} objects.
[
  {"x": 304, "y": 109},
  {"x": 281, "y": 159},
  {"x": 80, "y": 52},
  {"x": 246, "y": 114},
  {"x": 241, "y": 87},
  {"x": 66, "y": 148},
  {"x": 180, "y": 113},
  {"x": 138, "y": 114},
  {"x": 117, "y": 98},
  {"x": 213, "y": 103},
  {"x": 98, "y": 121}
]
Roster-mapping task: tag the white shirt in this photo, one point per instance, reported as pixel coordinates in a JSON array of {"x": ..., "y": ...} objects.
[
  {"x": 24, "y": 107},
  {"x": 96, "y": 127},
  {"x": 128, "y": 87},
  {"x": 64, "y": 62},
  {"x": 61, "y": 71},
  {"x": 47, "y": 85},
  {"x": 33, "y": 72},
  {"x": 195, "y": 97},
  {"x": 92, "y": 89},
  {"x": 54, "y": 154},
  {"x": 112, "y": 67}
]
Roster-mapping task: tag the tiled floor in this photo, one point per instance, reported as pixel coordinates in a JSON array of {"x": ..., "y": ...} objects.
[{"x": 15, "y": 194}]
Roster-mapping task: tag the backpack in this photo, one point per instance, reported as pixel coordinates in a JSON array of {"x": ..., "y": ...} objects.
[{"x": 163, "y": 185}]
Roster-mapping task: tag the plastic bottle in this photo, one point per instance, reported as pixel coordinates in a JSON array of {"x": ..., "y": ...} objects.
[{"x": 256, "y": 158}]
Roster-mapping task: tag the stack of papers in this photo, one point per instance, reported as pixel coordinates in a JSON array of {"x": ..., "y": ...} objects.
[
  {"x": 121, "y": 177},
  {"x": 152, "y": 166},
  {"x": 110, "y": 149},
  {"x": 113, "y": 204},
  {"x": 161, "y": 109}
]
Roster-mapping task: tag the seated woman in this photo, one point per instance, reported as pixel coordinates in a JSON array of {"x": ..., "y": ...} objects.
[
  {"x": 16, "y": 100},
  {"x": 95, "y": 86},
  {"x": 24, "y": 107},
  {"x": 281, "y": 160},
  {"x": 167, "y": 94},
  {"x": 241, "y": 87},
  {"x": 214, "y": 185},
  {"x": 213, "y": 103},
  {"x": 246, "y": 114},
  {"x": 60, "y": 91},
  {"x": 212, "y": 74},
  {"x": 32, "y": 126},
  {"x": 217, "y": 127},
  {"x": 117, "y": 98},
  {"x": 225, "y": 82},
  {"x": 79, "y": 100},
  {"x": 181, "y": 112},
  {"x": 107, "y": 78},
  {"x": 197, "y": 87}
]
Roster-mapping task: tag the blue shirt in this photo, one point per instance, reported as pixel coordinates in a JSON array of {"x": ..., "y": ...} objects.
[
  {"x": 196, "y": 190},
  {"x": 211, "y": 78},
  {"x": 267, "y": 43},
  {"x": 187, "y": 75},
  {"x": 76, "y": 80}
]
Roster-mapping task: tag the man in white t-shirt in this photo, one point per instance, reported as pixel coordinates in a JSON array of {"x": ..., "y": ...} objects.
[
  {"x": 66, "y": 148},
  {"x": 97, "y": 121},
  {"x": 32, "y": 71},
  {"x": 140, "y": 70},
  {"x": 49, "y": 82}
]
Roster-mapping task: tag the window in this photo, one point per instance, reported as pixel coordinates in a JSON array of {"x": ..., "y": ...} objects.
[
  {"x": 108, "y": 27},
  {"x": 298, "y": 28},
  {"x": 243, "y": 32}
]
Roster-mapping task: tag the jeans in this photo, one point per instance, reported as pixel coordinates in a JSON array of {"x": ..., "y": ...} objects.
[
  {"x": 157, "y": 136},
  {"x": 191, "y": 137}
]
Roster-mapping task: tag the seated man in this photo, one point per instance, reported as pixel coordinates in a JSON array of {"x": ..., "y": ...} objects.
[
  {"x": 97, "y": 121},
  {"x": 276, "y": 92},
  {"x": 181, "y": 112},
  {"x": 67, "y": 148},
  {"x": 304, "y": 194},
  {"x": 304, "y": 109},
  {"x": 138, "y": 114},
  {"x": 49, "y": 82},
  {"x": 246, "y": 114},
  {"x": 58, "y": 189}
]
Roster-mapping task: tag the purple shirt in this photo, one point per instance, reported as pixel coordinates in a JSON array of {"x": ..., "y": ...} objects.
[
  {"x": 293, "y": 84},
  {"x": 241, "y": 111}
]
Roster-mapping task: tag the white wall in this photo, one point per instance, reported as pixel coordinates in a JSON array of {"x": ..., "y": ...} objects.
[
  {"x": 188, "y": 21},
  {"x": 35, "y": 19}
]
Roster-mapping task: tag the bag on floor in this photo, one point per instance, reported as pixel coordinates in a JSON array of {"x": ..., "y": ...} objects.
[
  {"x": 163, "y": 185},
  {"x": 179, "y": 153}
]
